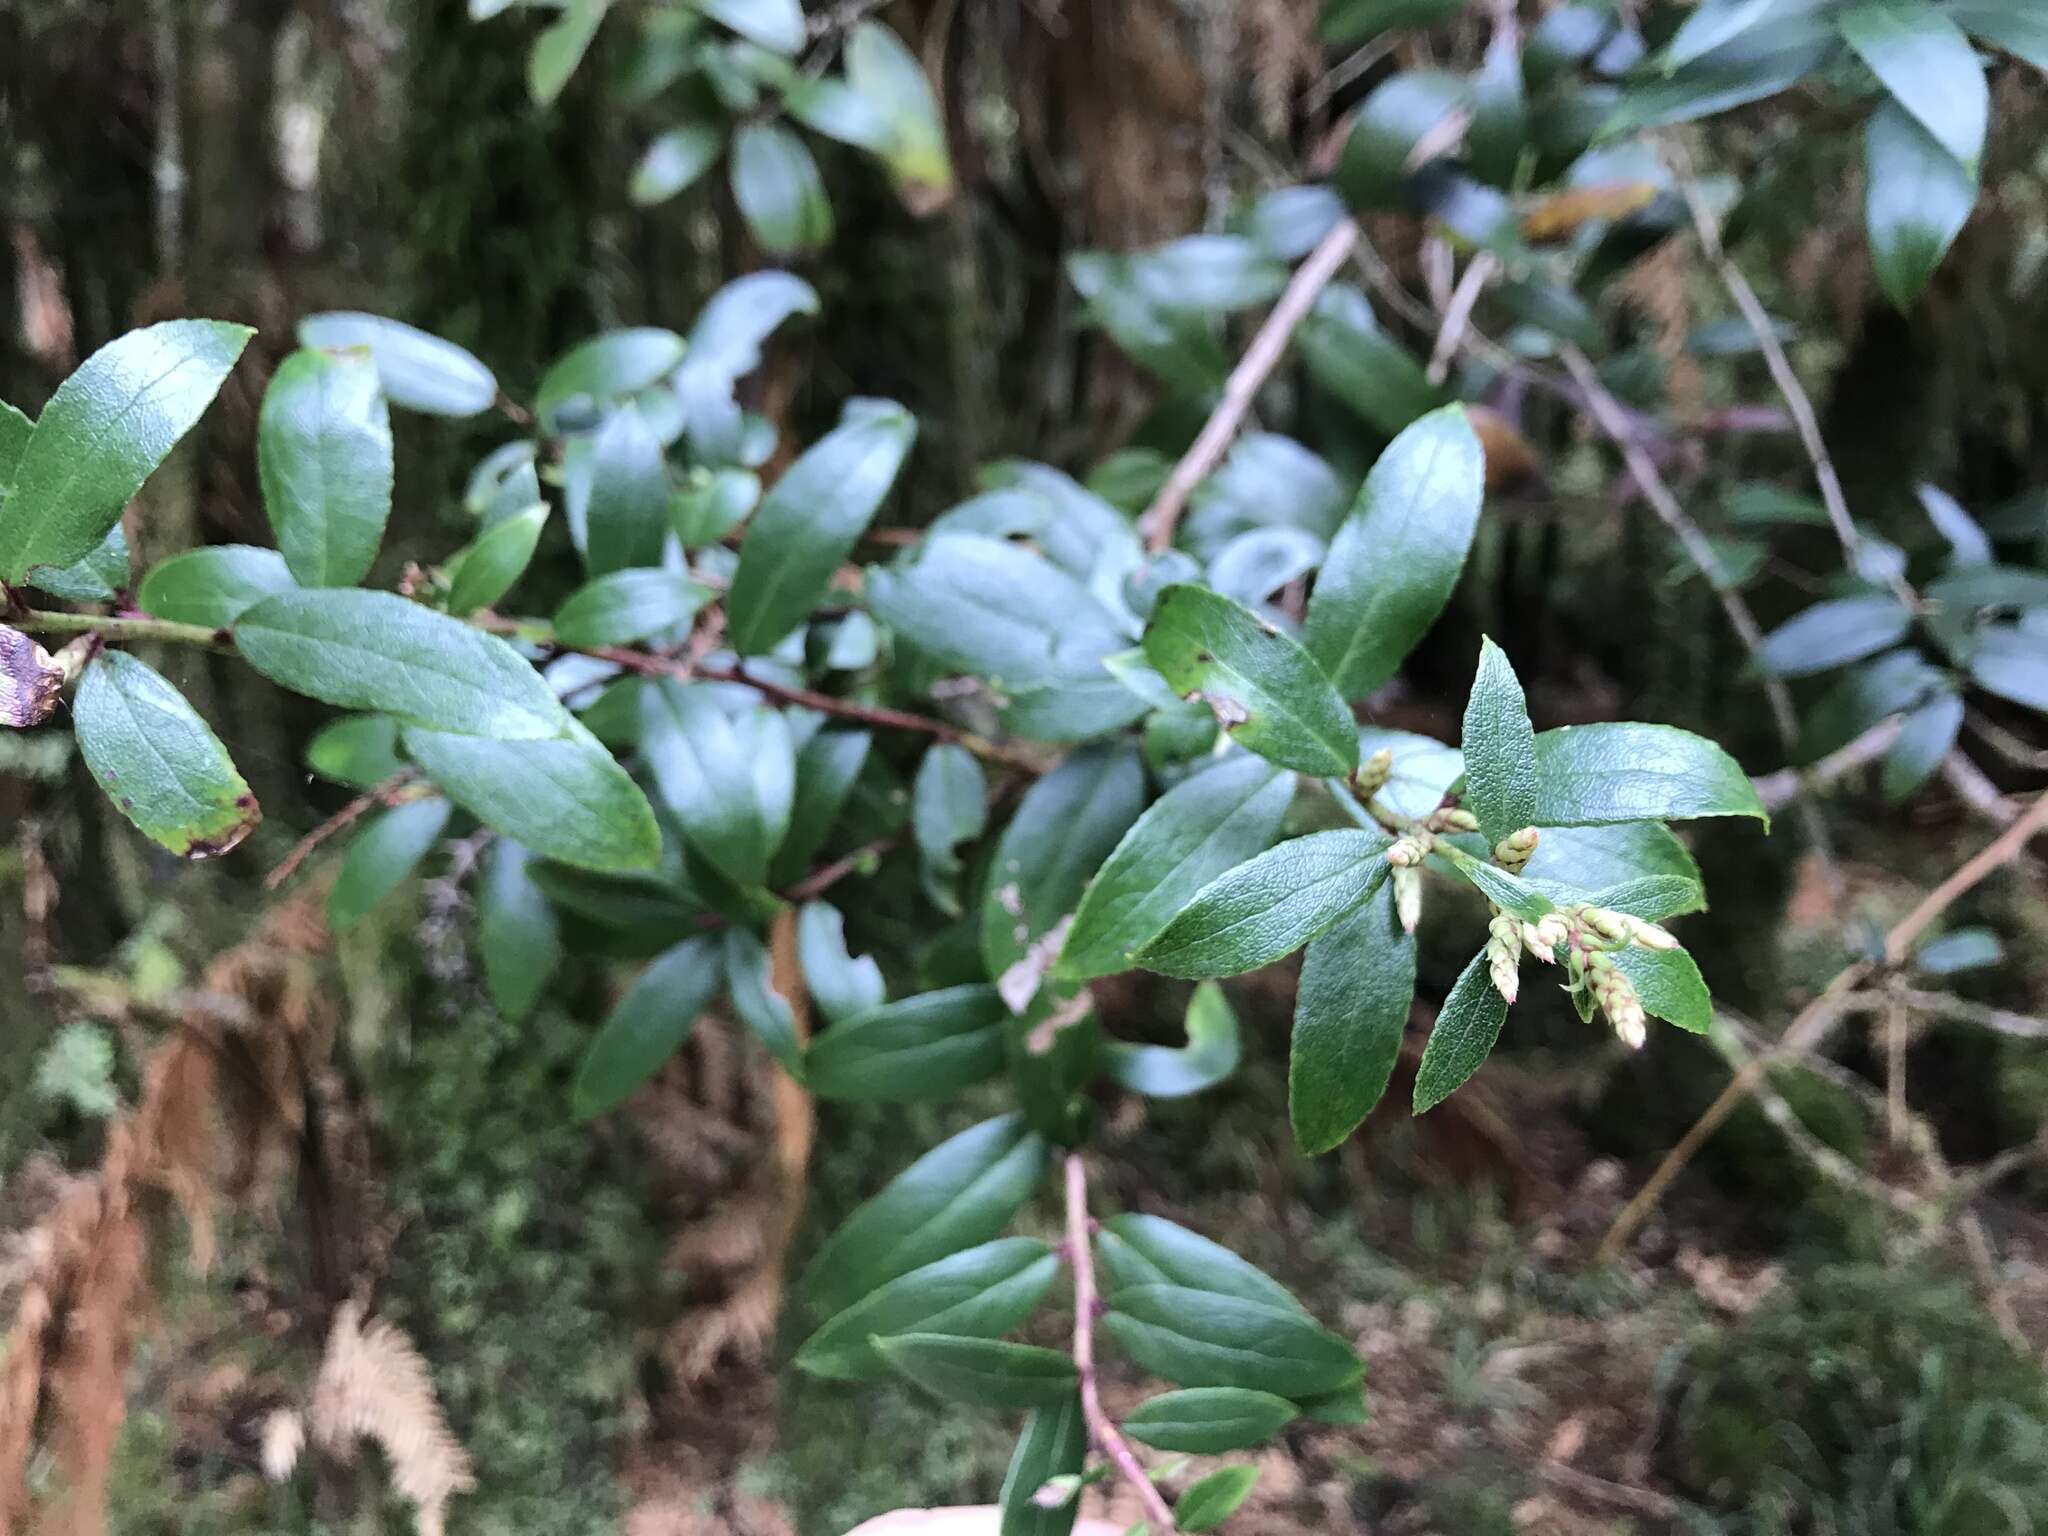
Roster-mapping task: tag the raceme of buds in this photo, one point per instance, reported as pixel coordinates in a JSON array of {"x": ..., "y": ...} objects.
[
  {"x": 1513, "y": 852},
  {"x": 1410, "y": 849},
  {"x": 1504, "y": 954},
  {"x": 1452, "y": 819},
  {"x": 1374, "y": 772},
  {"x": 1617, "y": 997},
  {"x": 1407, "y": 896},
  {"x": 1542, "y": 937}
]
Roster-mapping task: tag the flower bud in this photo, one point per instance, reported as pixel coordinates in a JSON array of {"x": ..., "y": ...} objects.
[
  {"x": 1409, "y": 850},
  {"x": 1503, "y": 955},
  {"x": 1513, "y": 852},
  {"x": 1649, "y": 935},
  {"x": 1452, "y": 819},
  {"x": 1407, "y": 896},
  {"x": 1374, "y": 772}
]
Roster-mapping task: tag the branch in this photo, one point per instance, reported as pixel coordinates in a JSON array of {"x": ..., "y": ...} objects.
[
  {"x": 394, "y": 790},
  {"x": 122, "y": 627},
  {"x": 1814, "y": 1021},
  {"x": 1458, "y": 315},
  {"x": 1108, "y": 1439},
  {"x": 1245, "y": 381}
]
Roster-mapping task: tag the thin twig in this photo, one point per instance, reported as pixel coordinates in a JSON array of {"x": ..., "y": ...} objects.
[
  {"x": 399, "y": 787},
  {"x": 1975, "y": 789},
  {"x": 1778, "y": 790},
  {"x": 1957, "y": 1010},
  {"x": 41, "y": 621},
  {"x": 1101, "y": 1428},
  {"x": 1267, "y": 347},
  {"x": 1813, "y": 1022},
  {"x": 1458, "y": 314}
]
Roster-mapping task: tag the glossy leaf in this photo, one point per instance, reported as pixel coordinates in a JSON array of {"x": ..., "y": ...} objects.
[
  {"x": 992, "y": 1372},
  {"x": 610, "y": 366},
  {"x": 924, "y": 1047},
  {"x": 841, "y": 985},
  {"x": 15, "y": 427},
  {"x": 626, "y": 518},
  {"x": 750, "y": 983},
  {"x": 213, "y": 586},
  {"x": 982, "y": 1292},
  {"x": 1511, "y": 893},
  {"x": 1830, "y": 633},
  {"x": 1173, "y": 1072},
  {"x": 1924, "y": 61},
  {"x": 826, "y": 769},
  {"x": 103, "y": 433},
  {"x": 1214, "y": 1499},
  {"x": 1960, "y": 949},
  {"x": 674, "y": 161},
  {"x": 780, "y": 195},
  {"x": 1348, "y": 353},
  {"x": 1466, "y": 1027},
  {"x": 559, "y": 49},
  {"x": 808, "y": 523},
  {"x": 1393, "y": 133},
  {"x": 774, "y": 24},
  {"x": 1916, "y": 199},
  {"x": 948, "y": 808},
  {"x": 729, "y": 778},
  {"x": 1925, "y": 738},
  {"x": 2017, "y": 29},
  {"x": 1208, "y": 824},
  {"x": 647, "y": 1026},
  {"x": 1358, "y": 21},
  {"x": 360, "y": 751},
  {"x": 1136, "y": 1249},
  {"x": 960, "y": 1194},
  {"x": 1670, "y": 986},
  {"x": 1967, "y": 542},
  {"x": 1870, "y": 691},
  {"x": 1595, "y": 858},
  {"x": 1500, "y": 748},
  {"x": 382, "y": 855},
  {"x": 416, "y": 369},
  {"x": 492, "y": 563},
  {"x": 1350, "y": 1014},
  {"x": 1627, "y": 771},
  {"x": 374, "y": 651},
  {"x": 1423, "y": 770},
  {"x": 1054, "y": 1444},
  {"x": 1270, "y": 906},
  {"x": 1395, "y": 560},
  {"x": 884, "y": 72},
  {"x": 1206, "y": 1421},
  {"x": 1267, "y": 693},
  {"x": 2013, "y": 664},
  {"x": 323, "y": 450},
  {"x": 98, "y": 576},
  {"x": 518, "y": 936},
  {"x": 564, "y": 798},
  {"x": 627, "y": 606},
  {"x": 1204, "y": 1339},
  {"x": 159, "y": 763}
]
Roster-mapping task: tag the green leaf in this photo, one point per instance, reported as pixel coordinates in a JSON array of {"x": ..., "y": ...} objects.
[
  {"x": 834, "y": 108},
  {"x": 750, "y": 981},
  {"x": 1203, "y": 1339},
  {"x": 808, "y": 524},
  {"x": 158, "y": 761},
  {"x": 1670, "y": 986},
  {"x": 1924, "y": 739},
  {"x": 777, "y": 25},
  {"x": 1167, "y": 1072},
  {"x": 1830, "y": 633},
  {"x": 712, "y": 505},
  {"x": 629, "y": 605},
  {"x": 518, "y": 937},
  {"x": 1960, "y": 949},
  {"x": 565, "y": 798},
  {"x": 1500, "y": 115},
  {"x": 1270, "y": 906},
  {"x": 1214, "y": 1498},
  {"x": 1350, "y": 1013},
  {"x": 1176, "y": 345},
  {"x": 1500, "y": 748},
  {"x": 1267, "y": 692},
  {"x": 948, "y": 808},
  {"x": 729, "y": 778},
  {"x": 1393, "y": 133},
  {"x": 826, "y": 769},
  {"x": 374, "y": 651},
  {"x": 992, "y": 1372},
  {"x": 1511, "y": 893},
  {"x": 1888, "y": 685},
  {"x": 1967, "y": 542},
  {"x": 1199, "y": 829},
  {"x": 98, "y": 576},
  {"x": 1067, "y": 824},
  {"x": 1423, "y": 772},
  {"x": 1928, "y": 66},
  {"x": 1136, "y": 1249},
  {"x": 1054, "y": 1444},
  {"x": 1627, "y": 771},
  {"x": 2013, "y": 664},
  {"x": 1711, "y": 24},
  {"x": 673, "y": 161},
  {"x": 1466, "y": 1027},
  {"x": 1009, "y": 615},
  {"x": 923, "y": 1047},
  {"x": 840, "y": 985},
  {"x": 1207, "y": 1421},
  {"x": 360, "y": 751},
  {"x": 15, "y": 428},
  {"x": 1358, "y": 21},
  {"x": 104, "y": 432},
  {"x": 1652, "y": 898},
  {"x": 490, "y": 565},
  {"x": 1394, "y": 562},
  {"x": 418, "y": 370},
  {"x": 626, "y": 518},
  {"x": 1916, "y": 199},
  {"x": 2018, "y": 30},
  {"x": 887, "y": 74},
  {"x": 958, "y": 1195},
  {"x": 558, "y": 50},
  {"x": 780, "y": 195},
  {"x": 1594, "y": 858},
  {"x": 983, "y": 1292},
  {"x": 382, "y": 855},
  {"x": 323, "y": 450},
  {"x": 1349, "y": 355},
  {"x": 647, "y": 1026},
  {"x": 213, "y": 586},
  {"x": 609, "y": 366}
]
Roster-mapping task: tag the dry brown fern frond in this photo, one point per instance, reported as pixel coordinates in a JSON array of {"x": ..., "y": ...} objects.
[{"x": 373, "y": 1383}]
